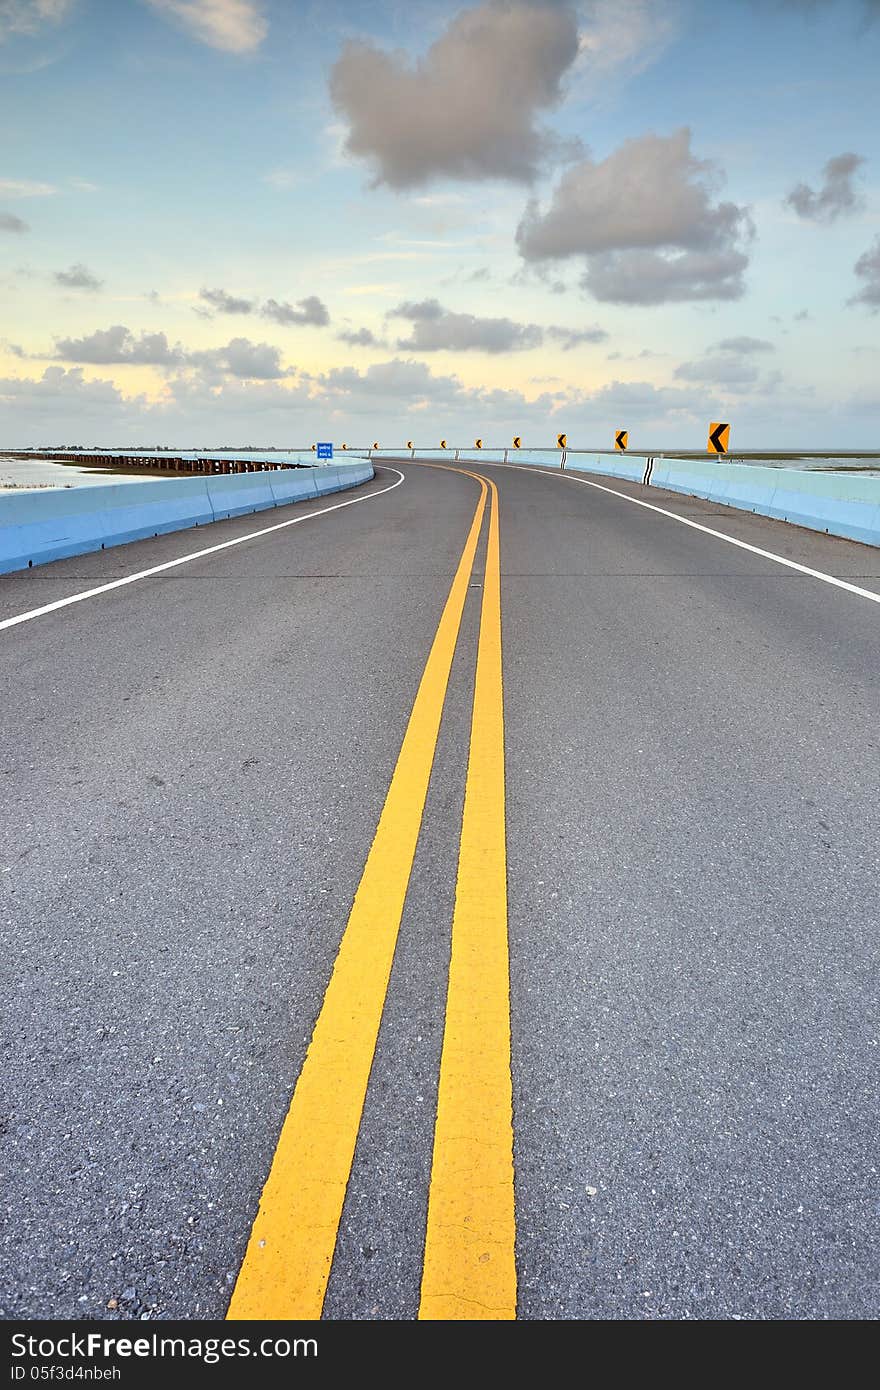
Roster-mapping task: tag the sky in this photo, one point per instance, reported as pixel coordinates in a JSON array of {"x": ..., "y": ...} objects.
[{"x": 266, "y": 222}]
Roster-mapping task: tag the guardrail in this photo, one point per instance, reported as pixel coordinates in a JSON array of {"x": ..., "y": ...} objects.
[
  {"x": 52, "y": 524},
  {"x": 840, "y": 504}
]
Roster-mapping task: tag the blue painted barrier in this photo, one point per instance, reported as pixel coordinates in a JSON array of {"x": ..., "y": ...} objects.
[
  {"x": 841, "y": 504},
  {"x": 48, "y": 524},
  {"x": 243, "y": 492}
]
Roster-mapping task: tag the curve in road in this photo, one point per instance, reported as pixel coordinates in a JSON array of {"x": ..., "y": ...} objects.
[{"x": 194, "y": 771}]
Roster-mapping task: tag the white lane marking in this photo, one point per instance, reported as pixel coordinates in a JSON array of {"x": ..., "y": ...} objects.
[
  {"x": 195, "y": 555},
  {"x": 696, "y": 525}
]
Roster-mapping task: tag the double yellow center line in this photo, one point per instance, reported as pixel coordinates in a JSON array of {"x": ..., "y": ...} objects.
[{"x": 469, "y": 1266}]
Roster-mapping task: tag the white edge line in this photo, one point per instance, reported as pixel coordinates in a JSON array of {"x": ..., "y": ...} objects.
[
  {"x": 195, "y": 555},
  {"x": 697, "y": 526}
]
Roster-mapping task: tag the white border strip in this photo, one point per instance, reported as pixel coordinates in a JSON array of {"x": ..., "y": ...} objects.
[
  {"x": 697, "y": 526},
  {"x": 195, "y": 555}
]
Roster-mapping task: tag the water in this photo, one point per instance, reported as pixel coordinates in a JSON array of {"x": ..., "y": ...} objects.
[
  {"x": 812, "y": 463},
  {"x": 44, "y": 472},
  {"x": 16, "y": 474}
]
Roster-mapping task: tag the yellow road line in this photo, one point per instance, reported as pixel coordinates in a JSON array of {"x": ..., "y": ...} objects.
[
  {"x": 287, "y": 1263},
  {"x": 470, "y": 1267}
]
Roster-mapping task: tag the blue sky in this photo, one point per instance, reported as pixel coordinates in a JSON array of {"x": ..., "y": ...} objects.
[{"x": 231, "y": 221}]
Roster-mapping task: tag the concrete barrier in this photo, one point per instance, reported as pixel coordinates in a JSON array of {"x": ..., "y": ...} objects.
[
  {"x": 290, "y": 486},
  {"x": 235, "y": 495},
  {"x": 841, "y": 504},
  {"x": 47, "y": 524}
]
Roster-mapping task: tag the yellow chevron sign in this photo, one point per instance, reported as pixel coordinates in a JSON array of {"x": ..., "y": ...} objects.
[
  {"x": 561, "y": 441},
  {"x": 443, "y": 444},
  {"x": 314, "y": 447},
  {"x": 409, "y": 444},
  {"x": 375, "y": 445},
  {"x": 621, "y": 439},
  {"x": 719, "y": 438},
  {"x": 478, "y": 443},
  {"x": 345, "y": 446},
  {"x": 516, "y": 441}
]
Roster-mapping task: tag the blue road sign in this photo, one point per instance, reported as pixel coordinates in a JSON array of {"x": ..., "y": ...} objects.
[{"x": 325, "y": 451}]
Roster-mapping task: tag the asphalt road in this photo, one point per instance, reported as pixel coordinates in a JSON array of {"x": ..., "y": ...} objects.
[{"x": 192, "y": 772}]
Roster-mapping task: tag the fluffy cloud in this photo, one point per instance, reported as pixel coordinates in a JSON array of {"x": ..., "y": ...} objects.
[
  {"x": 638, "y": 400},
  {"x": 225, "y": 303},
  {"x": 730, "y": 365},
  {"x": 28, "y": 16},
  {"x": 646, "y": 221},
  {"x": 358, "y": 337},
  {"x": 836, "y": 196},
  {"x": 648, "y": 277},
  {"x": 435, "y": 329},
  {"x": 78, "y": 277},
  {"x": 310, "y": 311},
  {"x": 468, "y": 108},
  {"x": 241, "y": 358},
  {"x": 117, "y": 345},
  {"x": 10, "y": 223},
  {"x": 60, "y": 392},
  {"x": 233, "y": 26},
  {"x": 398, "y": 380},
  {"x": 867, "y": 268},
  {"x": 390, "y": 400}
]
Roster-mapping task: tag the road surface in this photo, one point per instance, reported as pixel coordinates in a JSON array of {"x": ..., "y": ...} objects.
[{"x": 194, "y": 766}]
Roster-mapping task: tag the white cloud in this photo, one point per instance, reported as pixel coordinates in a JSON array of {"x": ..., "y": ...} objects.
[
  {"x": 29, "y": 16},
  {"x": 646, "y": 221},
  {"x": 242, "y": 358},
  {"x": 118, "y": 345},
  {"x": 25, "y": 188},
  {"x": 389, "y": 401},
  {"x": 60, "y": 392},
  {"x": 233, "y": 26},
  {"x": 624, "y": 37},
  {"x": 466, "y": 109}
]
